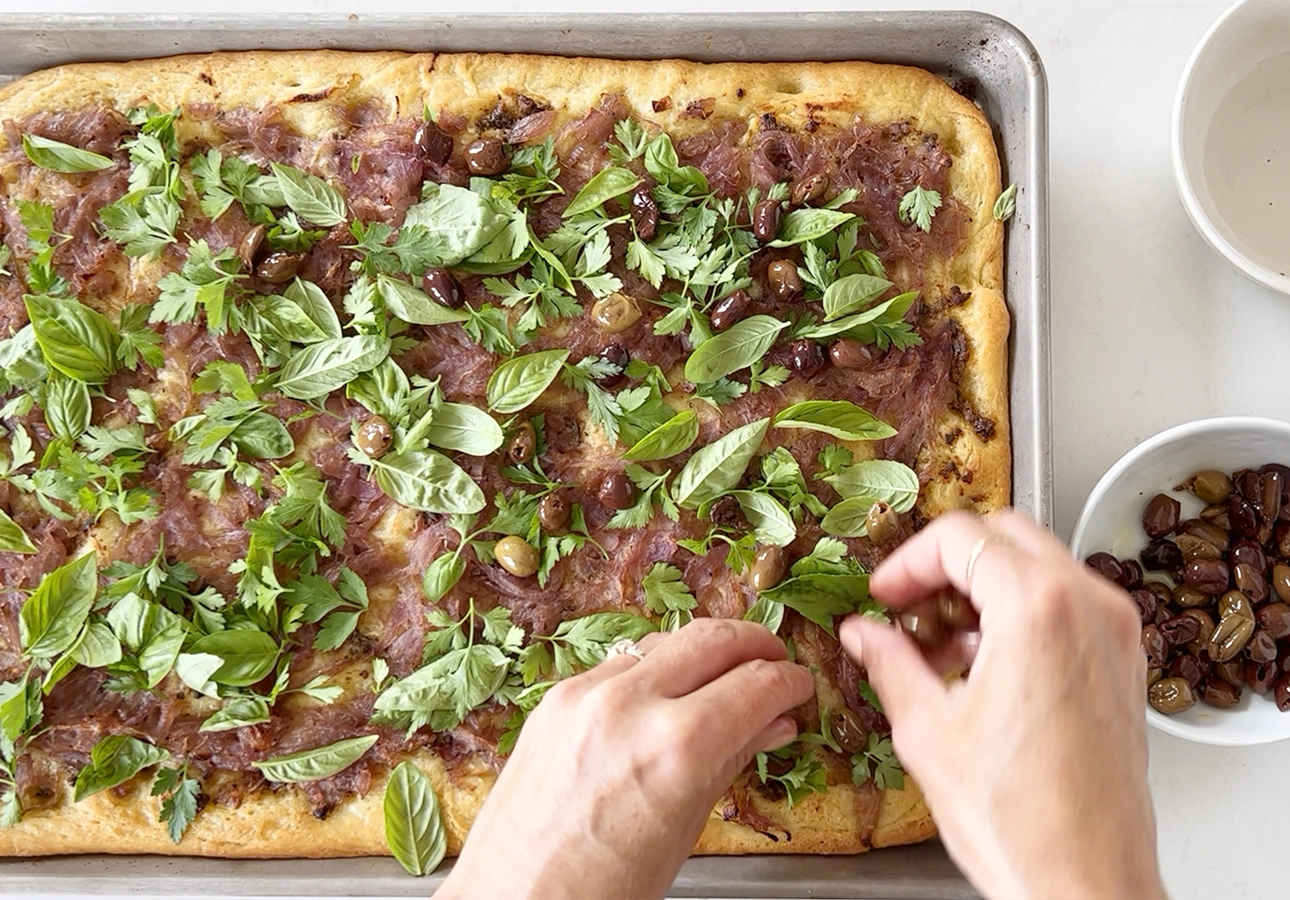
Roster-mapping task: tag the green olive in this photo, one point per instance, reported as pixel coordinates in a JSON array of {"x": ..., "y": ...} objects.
[
  {"x": 767, "y": 568},
  {"x": 881, "y": 523},
  {"x": 615, "y": 313},
  {"x": 1281, "y": 581},
  {"x": 1209, "y": 485},
  {"x": 374, "y": 437},
  {"x": 517, "y": 556},
  {"x": 1171, "y": 696}
]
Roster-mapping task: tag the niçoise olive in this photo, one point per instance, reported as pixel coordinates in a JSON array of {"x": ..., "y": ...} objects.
[
  {"x": 1180, "y": 629},
  {"x": 1281, "y": 581},
  {"x": 374, "y": 436},
  {"x": 1273, "y": 487},
  {"x": 923, "y": 625},
  {"x": 1106, "y": 565},
  {"x": 1210, "y": 485},
  {"x": 882, "y": 523},
  {"x": 1204, "y": 629},
  {"x": 1248, "y": 484},
  {"x": 1154, "y": 674},
  {"x": 1262, "y": 647},
  {"x": 729, "y": 310},
  {"x": 1230, "y": 637},
  {"x": 805, "y": 357},
  {"x": 616, "y": 491},
  {"x": 1208, "y": 531},
  {"x": 1281, "y": 535},
  {"x": 644, "y": 211},
  {"x": 615, "y": 313},
  {"x": 767, "y": 569},
  {"x": 848, "y": 353},
  {"x": 766, "y": 216},
  {"x": 618, "y": 355},
  {"x": 808, "y": 190},
  {"x": 1160, "y": 515},
  {"x": 1163, "y": 592},
  {"x": 1232, "y": 671},
  {"x": 1146, "y": 602},
  {"x": 1154, "y": 645},
  {"x": 1219, "y": 693},
  {"x": 278, "y": 267},
  {"x": 1194, "y": 547},
  {"x": 1171, "y": 696},
  {"x": 516, "y": 555},
  {"x": 1234, "y": 603},
  {"x": 553, "y": 512},
  {"x": 1275, "y": 619},
  {"x": 1260, "y": 677},
  {"x": 848, "y": 731},
  {"x": 522, "y": 445},
  {"x": 1187, "y": 596},
  {"x": 442, "y": 288},
  {"x": 1281, "y": 693},
  {"x": 956, "y": 611},
  {"x": 784, "y": 281},
  {"x": 1250, "y": 553},
  {"x": 1250, "y": 582},
  {"x": 1188, "y": 668},
  {"x": 1241, "y": 514},
  {"x": 248, "y": 249},
  {"x": 487, "y": 157},
  {"x": 1161, "y": 554},
  {"x": 1130, "y": 574},
  {"x": 432, "y": 142},
  {"x": 1208, "y": 575},
  {"x": 1216, "y": 515}
]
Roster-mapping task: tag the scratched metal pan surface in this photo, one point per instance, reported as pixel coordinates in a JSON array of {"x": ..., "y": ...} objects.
[{"x": 977, "y": 52}]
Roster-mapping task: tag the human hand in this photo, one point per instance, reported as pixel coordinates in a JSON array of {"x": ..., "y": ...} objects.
[
  {"x": 1035, "y": 765},
  {"x": 618, "y": 768}
]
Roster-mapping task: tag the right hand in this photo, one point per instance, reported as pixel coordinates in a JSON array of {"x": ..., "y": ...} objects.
[{"x": 1035, "y": 765}]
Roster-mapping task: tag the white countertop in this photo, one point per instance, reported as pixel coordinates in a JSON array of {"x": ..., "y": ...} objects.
[{"x": 1150, "y": 328}]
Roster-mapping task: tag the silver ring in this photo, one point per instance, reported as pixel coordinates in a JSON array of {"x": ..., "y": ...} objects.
[
  {"x": 977, "y": 549},
  {"x": 625, "y": 647}
]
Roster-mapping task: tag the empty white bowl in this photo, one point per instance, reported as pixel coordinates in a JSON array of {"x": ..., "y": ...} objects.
[
  {"x": 1112, "y": 521},
  {"x": 1231, "y": 139}
]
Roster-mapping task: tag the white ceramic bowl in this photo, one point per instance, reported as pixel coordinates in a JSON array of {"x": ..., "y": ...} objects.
[
  {"x": 1231, "y": 139},
  {"x": 1112, "y": 521}
]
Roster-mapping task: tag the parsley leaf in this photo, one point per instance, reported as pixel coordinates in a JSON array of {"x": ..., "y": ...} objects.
[
  {"x": 602, "y": 406},
  {"x": 179, "y": 804},
  {"x": 667, "y": 594},
  {"x": 878, "y": 761},
  {"x": 203, "y": 282},
  {"x": 650, "y": 488},
  {"x": 807, "y": 776},
  {"x": 918, "y": 206}
]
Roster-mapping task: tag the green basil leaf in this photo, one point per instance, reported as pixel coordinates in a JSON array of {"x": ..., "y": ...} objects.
[
  {"x": 74, "y": 339},
  {"x": 309, "y": 197},
  {"x": 878, "y": 479},
  {"x": 414, "y": 828},
  {"x": 21, "y": 709},
  {"x": 738, "y": 347},
  {"x": 67, "y": 406},
  {"x": 808, "y": 224},
  {"x": 262, "y": 435},
  {"x": 519, "y": 381},
  {"x": 113, "y": 760},
  {"x": 1005, "y": 204},
  {"x": 165, "y": 636},
  {"x": 52, "y": 617},
  {"x": 320, "y": 762},
  {"x": 310, "y": 299},
  {"x": 458, "y": 221},
  {"x": 327, "y": 365},
  {"x": 12, "y": 537},
  {"x": 99, "y": 648},
  {"x": 414, "y": 305},
  {"x": 766, "y": 612},
  {"x": 852, "y": 293},
  {"x": 248, "y": 655},
  {"x": 195, "y": 671},
  {"x": 840, "y": 418},
  {"x": 672, "y": 437},
  {"x": 892, "y": 310},
  {"x": 604, "y": 185},
  {"x": 241, "y": 712},
  {"x": 821, "y": 596},
  {"x": 442, "y": 575},
  {"x": 770, "y": 522},
  {"x": 849, "y": 518},
  {"x": 464, "y": 428},
  {"x": 426, "y": 480},
  {"x": 59, "y": 157},
  {"x": 715, "y": 469}
]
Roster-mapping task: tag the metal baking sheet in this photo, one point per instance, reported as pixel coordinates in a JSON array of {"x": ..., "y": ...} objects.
[{"x": 969, "y": 48}]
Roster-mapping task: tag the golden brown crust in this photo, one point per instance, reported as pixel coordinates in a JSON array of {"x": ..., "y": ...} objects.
[{"x": 965, "y": 472}]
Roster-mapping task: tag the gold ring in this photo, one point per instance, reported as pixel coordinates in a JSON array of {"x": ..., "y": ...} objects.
[
  {"x": 625, "y": 647},
  {"x": 977, "y": 549}
]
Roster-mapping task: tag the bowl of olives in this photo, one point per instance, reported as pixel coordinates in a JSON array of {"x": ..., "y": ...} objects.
[{"x": 1195, "y": 524}]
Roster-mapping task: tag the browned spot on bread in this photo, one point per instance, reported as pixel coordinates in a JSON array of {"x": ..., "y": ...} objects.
[
  {"x": 661, "y": 104},
  {"x": 205, "y": 76},
  {"x": 312, "y": 98}
]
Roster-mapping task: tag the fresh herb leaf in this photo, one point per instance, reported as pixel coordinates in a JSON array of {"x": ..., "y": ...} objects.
[
  {"x": 203, "y": 284},
  {"x": 137, "y": 340},
  {"x": 918, "y": 207},
  {"x": 824, "y": 584},
  {"x": 414, "y": 829},
  {"x": 115, "y": 759},
  {"x": 309, "y": 197},
  {"x": 878, "y": 479},
  {"x": 869, "y": 694},
  {"x": 808, "y": 224},
  {"x": 672, "y": 437},
  {"x": 1006, "y": 204},
  {"x": 840, "y": 418},
  {"x": 67, "y": 406},
  {"x": 319, "y": 762},
  {"x": 78, "y": 341},
  {"x": 414, "y": 305},
  {"x": 180, "y": 793},
  {"x": 53, "y": 615},
  {"x": 237, "y": 714},
  {"x": 424, "y": 480},
  {"x": 736, "y": 348},
  {"x": 248, "y": 655},
  {"x": 465, "y": 429},
  {"x": 852, "y": 294},
  {"x": 323, "y": 367},
  {"x": 771, "y": 523},
  {"x": 602, "y": 406},
  {"x": 650, "y": 489},
  {"x": 519, "y": 381},
  {"x": 458, "y": 222},
  {"x": 12, "y": 538},
  {"x": 807, "y": 776},
  {"x": 59, "y": 157},
  {"x": 766, "y": 612},
  {"x": 715, "y": 469},
  {"x": 607, "y": 184},
  {"x": 667, "y": 594},
  {"x": 879, "y": 762}
]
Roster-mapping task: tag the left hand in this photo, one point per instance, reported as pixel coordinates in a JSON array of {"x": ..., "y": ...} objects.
[{"x": 618, "y": 768}]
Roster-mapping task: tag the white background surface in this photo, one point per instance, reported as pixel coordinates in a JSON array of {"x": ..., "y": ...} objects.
[{"x": 1150, "y": 328}]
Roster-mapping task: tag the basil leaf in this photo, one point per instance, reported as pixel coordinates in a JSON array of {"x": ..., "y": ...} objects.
[
  {"x": 878, "y": 479},
  {"x": 113, "y": 760},
  {"x": 310, "y": 299},
  {"x": 12, "y": 537},
  {"x": 195, "y": 671},
  {"x": 327, "y": 365},
  {"x": 67, "y": 406},
  {"x": 672, "y": 437},
  {"x": 414, "y": 828},
  {"x": 519, "y": 381},
  {"x": 74, "y": 339},
  {"x": 442, "y": 575},
  {"x": 262, "y": 435},
  {"x": 59, "y": 157},
  {"x": 21, "y": 709},
  {"x": 458, "y": 221},
  {"x": 1006, "y": 204},
  {"x": 892, "y": 310},
  {"x": 771, "y": 523},
  {"x": 241, "y": 712},
  {"x": 426, "y": 480},
  {"x": 848, "y": 518},
  {"x": 738, "y": 347},
  {"x": 820, "y": 596},
  {"x": 766, "y": 612},
  {"x": 464, "y": 428},
  {"x": 807, "y": 224},
  {"x": 248, "y": 655},
  {"x": 840, "y": 418},
  {"x": 309, "y": 197},
  {"x": 852, "y": 293},
  {"x": 320, "y": 762},
  {"x": 51, "y": 619},
  {"x": 718, "y": 467},
  {"x": 165, "y": 638},
  {"x": 413, "y": 305},
  {"x": 604, "y": 185},
  {"x": 99, "y": 648}
]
